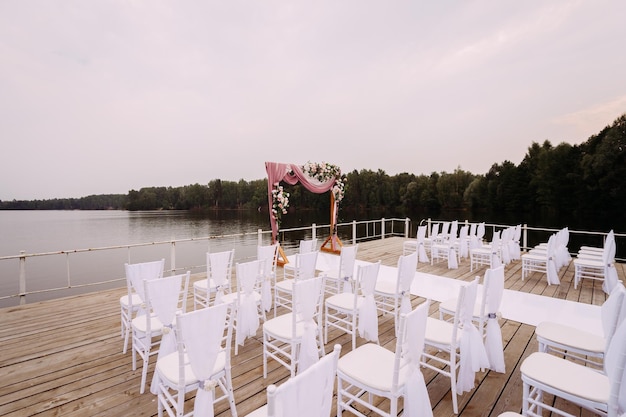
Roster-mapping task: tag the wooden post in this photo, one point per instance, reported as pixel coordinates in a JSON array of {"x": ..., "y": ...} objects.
[{"x": 333, "y": 239}]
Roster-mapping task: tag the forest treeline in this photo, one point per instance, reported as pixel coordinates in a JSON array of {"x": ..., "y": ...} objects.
[{"x": 589, "y": 178}]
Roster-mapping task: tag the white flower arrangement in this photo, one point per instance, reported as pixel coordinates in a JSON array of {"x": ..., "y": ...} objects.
[
  {"x": 324, "y": 172},
  {"x": 280, "y": 202}
]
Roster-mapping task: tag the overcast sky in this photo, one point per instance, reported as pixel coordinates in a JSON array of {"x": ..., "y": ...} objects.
[{"x": 100, "y": 97}]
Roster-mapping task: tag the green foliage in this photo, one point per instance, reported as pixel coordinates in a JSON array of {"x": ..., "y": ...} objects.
[{"x": 562, "y": 179}]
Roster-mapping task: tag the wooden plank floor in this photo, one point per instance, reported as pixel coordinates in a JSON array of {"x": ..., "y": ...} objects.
[{"x": 64, "y": 357}]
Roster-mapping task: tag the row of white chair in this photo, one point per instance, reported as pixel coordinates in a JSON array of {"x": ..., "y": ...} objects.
[
  {"x": 597, "y": 264},
  {"x": 286, "y": 335},
  {"x": 452, "y": 244},
  {"x": 581, "y": 367}
]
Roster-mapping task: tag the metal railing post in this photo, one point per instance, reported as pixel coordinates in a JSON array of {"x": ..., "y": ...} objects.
[
  {"x": 22, "y": 278},
  {"x": 354, "y": 232},
  {"x": 173, "y": 257},
  {"x": 525, "y": 236},
  {"x": 260, "y": 237},
  {"x": 382, "y": 228},
  {"x": 313, "y": 231},
  {"x": 67, "y": 267},
  {"x": 407, "y": 224},
  {"x": 429, "y": 229}
]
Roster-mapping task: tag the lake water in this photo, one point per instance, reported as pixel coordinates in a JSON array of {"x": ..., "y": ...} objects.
[{"x": 54, "y": 231}]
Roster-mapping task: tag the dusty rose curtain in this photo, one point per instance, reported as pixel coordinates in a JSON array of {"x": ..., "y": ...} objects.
[{"x": 291, "y": 174}]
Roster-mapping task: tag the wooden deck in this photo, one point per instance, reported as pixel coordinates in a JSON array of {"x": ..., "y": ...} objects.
[{"x": 64, "y": 357}]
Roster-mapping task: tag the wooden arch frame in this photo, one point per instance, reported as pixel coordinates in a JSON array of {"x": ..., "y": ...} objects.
[{"x": 293, "y": 174}]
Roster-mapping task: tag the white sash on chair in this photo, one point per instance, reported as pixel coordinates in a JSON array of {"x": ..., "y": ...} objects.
[
  {"x": 493, "y": 337},
  {"x": 203, "y": 344},
  {"x": 473, "y": 357},
  {"x": 164, "y": 302},
  {"x": 416, "y": 400},
  {"x": 367, "y": 312},
  {"x": 307, "y": 295}
]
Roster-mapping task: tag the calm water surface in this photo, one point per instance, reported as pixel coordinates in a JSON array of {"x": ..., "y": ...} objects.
[{"x": 53, "y": 231}]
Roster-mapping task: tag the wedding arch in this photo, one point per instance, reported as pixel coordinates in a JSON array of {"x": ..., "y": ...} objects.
[{"x": 317, "y": 178}]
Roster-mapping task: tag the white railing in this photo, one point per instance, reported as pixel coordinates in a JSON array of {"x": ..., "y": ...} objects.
[
  {"x": 246, "y": 243},
  {"x": 109, "y": 273}
]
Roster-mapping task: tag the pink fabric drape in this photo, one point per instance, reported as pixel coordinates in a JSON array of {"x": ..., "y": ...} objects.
[{"x": 291, "y": 174}]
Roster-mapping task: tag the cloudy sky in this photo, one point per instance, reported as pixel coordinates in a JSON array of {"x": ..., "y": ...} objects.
[{"x": 105, "y": 96}]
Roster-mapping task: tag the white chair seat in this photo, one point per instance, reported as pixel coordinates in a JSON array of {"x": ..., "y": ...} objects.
[
  {"x": 343, "y": 301},
  {"x": 168, "y": 368},
  {"x": 371, "y": 365},
  {"x": 590, "y": 255},
  {"x": 567, "y": 376},
  {"x": 571, "y": 336},
  {"x": 135, "y": 300},
  {"x": 285, "y": 285},
  {"x": 409, "y": 246},
  {"x": 280, "y": 327},
  {"x": 536, "y": 257},
  {"x": 232, "y": 297},
  {"x": 440, "y": 332},
  {"x": 589, "y": 263},
  {"x": 202, "y": 285},
  {"x": 140, "y": 324}
]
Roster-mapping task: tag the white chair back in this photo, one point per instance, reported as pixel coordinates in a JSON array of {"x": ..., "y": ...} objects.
[
  {"x": 493, "y": 288},
  {"x": 551, "y": 268},
  {"x": 308, "y": 394},
  {"x": 409, "y": 348},
  {"x": 407, "y": 266},
  {"x": 219, "y": 269},
  {"x": 473, "y": 356},
  {"x": 367, "y": 313},
  {"x": 308, "y": 296},
  {"x": 614, "y": 364},
  {"x": 480, "y": 230},
  {"x": 269, "y": 256},
  {"x": 165, "y": 297},
  {"x": 347, "y": 258},
  {"x": 434, "y": 230},
  {"x": 612, "y": 312},
  {"x": 307, "y": 246},
  {"x": 137, "y": 273},
  {"x": 421, "y": 248},
  {"x": 203, "y": 344},
  {"x": 305, "y": 265},
  {"x": 248, "y": 276}
]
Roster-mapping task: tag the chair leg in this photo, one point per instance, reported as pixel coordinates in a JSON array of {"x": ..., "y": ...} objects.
[
  {"x": 126, "y": 336},
  {"x": 326, "y": 326},
  {"x": 122, "y": 322},
  {"x": 295, "y": 355},
  {"x": 144, "y": 372},
  {"x": 354, "y": 330},
  {"x": 525, "y": 399},
  {"x": 339, "y": 398},
  {"x": 455, "y": 404},
  {"x": 265, "y": 341},
  {"x": 134, "y": 356},
  {"x": 231, "y": 394}
]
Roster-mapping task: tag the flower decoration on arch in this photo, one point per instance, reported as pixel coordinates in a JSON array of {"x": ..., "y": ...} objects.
[
  {"x": 324, "y": 172},
  {"x": 280, "y": 202}
]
